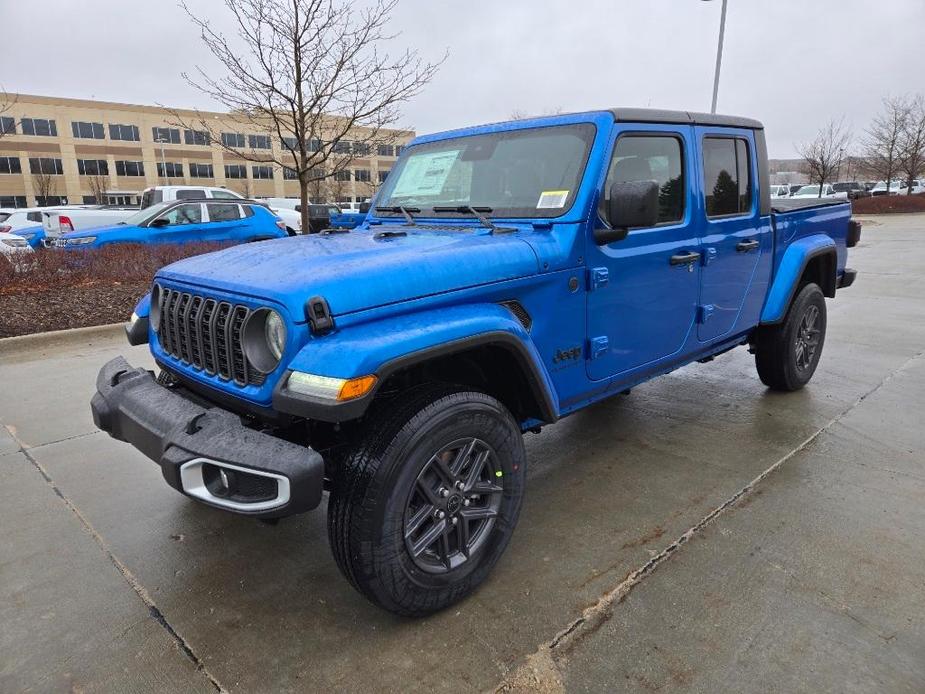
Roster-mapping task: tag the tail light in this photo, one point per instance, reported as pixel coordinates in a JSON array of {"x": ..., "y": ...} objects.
[
  {"x": 64, "y": 220},
  {"x": 5, "y": 229},
  {"x": 281, "y": 224}
]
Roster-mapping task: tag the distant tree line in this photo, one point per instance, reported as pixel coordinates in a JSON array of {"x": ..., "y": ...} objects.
[{"x": 893, "y": 145}]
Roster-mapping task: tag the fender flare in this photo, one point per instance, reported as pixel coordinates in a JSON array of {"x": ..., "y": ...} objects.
[
  {"x": 792, "y": 265},
  {"x": 397, "y": 343}
]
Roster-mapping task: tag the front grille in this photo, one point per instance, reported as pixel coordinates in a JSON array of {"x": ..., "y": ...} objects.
[{"x": 206, "y": 334}]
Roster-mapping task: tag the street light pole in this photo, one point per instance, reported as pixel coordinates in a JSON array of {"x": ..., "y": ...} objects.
[{"x": 719, "y": 55}]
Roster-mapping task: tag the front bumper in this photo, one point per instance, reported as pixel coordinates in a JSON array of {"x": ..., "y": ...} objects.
[{"x": 204, "y": 451}]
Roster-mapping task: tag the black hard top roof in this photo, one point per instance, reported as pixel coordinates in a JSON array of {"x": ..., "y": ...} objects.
[{"x": 657, "y": 115}]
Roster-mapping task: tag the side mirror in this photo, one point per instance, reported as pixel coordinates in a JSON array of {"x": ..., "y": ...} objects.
[
  {"x": 159, "y": 222},
  {"x": 364, "y": 207},
  {"x": 298, "y": 208},
  {"x": 631, "y": 204}
]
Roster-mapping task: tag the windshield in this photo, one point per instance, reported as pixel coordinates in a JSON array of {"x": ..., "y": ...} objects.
[
  {"x": 146, "y": 214},
  {"x": 4, "y": 216},
  {"x": 808, "y": 190},
  {"x": 150, "y": 197},
  {"x": 842, "y": 187},
  {"x": 516, "y": 173}
]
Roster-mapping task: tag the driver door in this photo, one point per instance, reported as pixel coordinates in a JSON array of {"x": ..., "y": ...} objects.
[
  {"x": 643, "y": 289},
  {"x": 184, "y": 224}
]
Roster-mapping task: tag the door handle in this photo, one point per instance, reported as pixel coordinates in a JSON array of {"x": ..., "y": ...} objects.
[
  {"x": 685, "y": 258},
  {"x": 746, "y": 246}
]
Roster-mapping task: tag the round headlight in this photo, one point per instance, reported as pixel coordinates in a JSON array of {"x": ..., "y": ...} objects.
[
  {"x": 264, "y": 339},
  {"x": 154, "y": 313},
  {"x": 275, "y": 331}
]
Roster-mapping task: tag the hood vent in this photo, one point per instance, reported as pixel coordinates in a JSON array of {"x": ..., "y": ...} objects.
[{"x": 520, "y": 313}]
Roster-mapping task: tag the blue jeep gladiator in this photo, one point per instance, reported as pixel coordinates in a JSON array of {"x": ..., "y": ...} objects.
[{"x": 508, "y": 275}]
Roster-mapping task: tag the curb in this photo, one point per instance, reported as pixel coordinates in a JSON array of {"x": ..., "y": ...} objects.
[{"x": 59, "y": 338}]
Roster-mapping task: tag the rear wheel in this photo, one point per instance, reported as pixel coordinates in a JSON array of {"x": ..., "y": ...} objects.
[
  {"x": 427, "y": 500},
  {"x": 787, "y": 354}
]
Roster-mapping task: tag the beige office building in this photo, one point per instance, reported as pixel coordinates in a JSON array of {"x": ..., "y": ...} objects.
[{"x": 58, "y": 151}]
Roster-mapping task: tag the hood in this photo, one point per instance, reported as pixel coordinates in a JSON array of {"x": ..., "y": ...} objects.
[{"x": 356, "y": 270}]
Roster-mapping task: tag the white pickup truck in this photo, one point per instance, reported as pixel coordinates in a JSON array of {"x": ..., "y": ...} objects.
[
  {"x": 63, "y": 220},
  {"x": 157, "y": 194}
]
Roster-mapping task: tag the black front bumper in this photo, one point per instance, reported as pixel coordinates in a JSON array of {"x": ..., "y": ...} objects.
[{"x": 184, "y": 435}]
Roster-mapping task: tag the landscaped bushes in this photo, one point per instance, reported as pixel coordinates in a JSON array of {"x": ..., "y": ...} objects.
[{"x": 889, "y": 203}]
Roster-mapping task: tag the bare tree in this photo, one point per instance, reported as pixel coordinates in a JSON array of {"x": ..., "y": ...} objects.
[
  {"x": 912, "y": 142},
  {"x": 884, "y": 139},
  {"x": 44, "y": 185},
  {"x": 7, "y": 102},
  {"x": 823, "y": 155},
  {"x": 98, "y": 186},
  {"x": 310, "y": 73}
]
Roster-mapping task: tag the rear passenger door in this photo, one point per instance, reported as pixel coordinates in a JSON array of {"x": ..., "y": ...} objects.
[
  {"x": 224, "y": 222},
  {"x": 733, "y": 237}
]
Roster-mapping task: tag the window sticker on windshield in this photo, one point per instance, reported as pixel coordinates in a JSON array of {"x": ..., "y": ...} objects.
[
  {"x": 552, "y": 198},
  {"x": 425, "y": 174}
]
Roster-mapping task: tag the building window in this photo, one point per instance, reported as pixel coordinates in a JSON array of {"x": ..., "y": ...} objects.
[
  {"x": 342, "y": 176},
  {"x": 7, "y": 125},
  {"x": 314, "y": 145},
  {"x": 361, "y": 148},
  {"x": 385, "y": 150},
  {"x": 12, "y": 201},
  {"x": 289, "y": 143},
  {"x": 235, "y": 171},
  {"x": 262, "y": 172},
  {"x": 362, "y": 175},
  {"x": 130, "y": 168},
  {"x": 45, "y": 165},
  {"x": 342, "y": 147},
  {"x": 383, "y": 175},
  {"x": 90, "y": 200},
  {"x": 174, "y": 169},
  {"x": 50, "y": 200},
  {"x": 10, "y": 165},
  {"x": 232, "y": 139},
  {"x": 166, "y": 135},
  {"x": 343, "y": 199},
  {"x": 92, "y": 167},
  {"x": 197, "y": 137},
  {"x": 200, "y": 170},
  {"x": 39, "y": 126},
  {"x": 258, "y": 141},
  {"x": 399, "y": 149},
  {"x": 127, "y": 133},
  {"x": 87, "y": 131},
  {"x": 290, "y": 174}
]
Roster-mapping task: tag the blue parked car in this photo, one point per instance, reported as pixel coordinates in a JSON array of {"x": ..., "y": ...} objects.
[
  {"x": 35, "y": 236},
  {"x": 184, "y": 221},
  {"x": 509, "y": 275}
]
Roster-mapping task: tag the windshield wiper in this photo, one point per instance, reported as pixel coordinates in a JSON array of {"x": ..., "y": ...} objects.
[
  {"x": 406, "y": 211},
  {"x": 477, "y": 211}
]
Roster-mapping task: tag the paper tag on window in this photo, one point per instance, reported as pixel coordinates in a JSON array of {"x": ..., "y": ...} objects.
[{"x": 552, "y": 199}]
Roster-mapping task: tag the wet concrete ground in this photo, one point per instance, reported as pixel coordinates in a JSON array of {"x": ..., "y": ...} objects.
[{"x": 799, "y": 566}]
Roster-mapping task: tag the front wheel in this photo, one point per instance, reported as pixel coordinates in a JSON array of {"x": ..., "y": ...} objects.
[
  {"x": 787, "y": 354},
  {"x": 426, "y": 501}
]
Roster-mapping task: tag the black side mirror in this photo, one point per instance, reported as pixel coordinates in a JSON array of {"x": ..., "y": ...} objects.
[
  {"x": 632, "y": 204},
  {"x": 364, "y": 207},
  {"x": 298, "y": 208},
  {"x": 159, "y": 222}
]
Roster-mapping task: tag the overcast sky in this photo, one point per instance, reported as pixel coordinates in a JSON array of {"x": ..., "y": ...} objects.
[{"x": 792, "y": 64}]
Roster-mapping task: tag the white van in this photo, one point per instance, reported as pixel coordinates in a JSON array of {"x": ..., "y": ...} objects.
[{"x": 156, "y": 194}]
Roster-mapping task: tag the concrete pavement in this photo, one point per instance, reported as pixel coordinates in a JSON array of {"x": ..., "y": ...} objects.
[{"x": 701, "y": 534}]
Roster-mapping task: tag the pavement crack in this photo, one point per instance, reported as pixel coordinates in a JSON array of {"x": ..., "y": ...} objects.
[
  {"x": 594, "y": 616},
  {"x": 153, "y": 610}
]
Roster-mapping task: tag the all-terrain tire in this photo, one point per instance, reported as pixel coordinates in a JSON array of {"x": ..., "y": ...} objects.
[
  {"x": 376, "y": 484},
  {"x": 787, "y": 354}
]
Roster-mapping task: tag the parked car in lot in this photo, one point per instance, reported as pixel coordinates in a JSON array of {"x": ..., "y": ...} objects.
[
  {"x": 185, "y": 221},
  {"x": 882, "y": 188},
  {"x": 156, "y": 194},
  {"x": 319, "y": 217},
  {"x": 508, "y": 276},
  {"x": 780, "y": 191},
  {"x": 850, "y": 190},
  {"x": 918, "y": 186},
  {"x": 794, "y": 187},
  {"x": 64, "y": 220},
  {"x": 812, "y": 191},
  {"x": 13, "y": 246},
  {"x": 13, "y": 218},
  {"x": 34, "y": 235}
]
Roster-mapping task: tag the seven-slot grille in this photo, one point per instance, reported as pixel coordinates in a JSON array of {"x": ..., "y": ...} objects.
[{"x": 207, "y": 335}]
